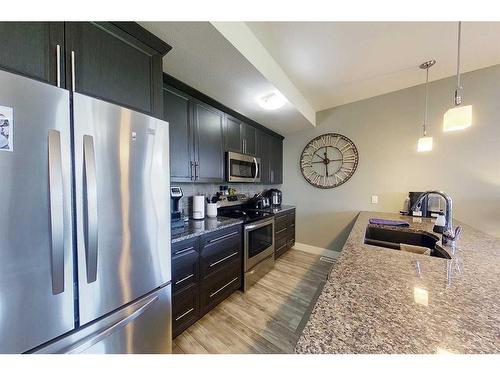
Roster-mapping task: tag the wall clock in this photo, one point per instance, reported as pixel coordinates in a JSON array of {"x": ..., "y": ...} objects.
[{"x": 329, "y": 160}]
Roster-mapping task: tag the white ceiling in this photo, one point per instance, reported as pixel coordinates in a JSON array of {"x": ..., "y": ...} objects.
[
  {"x": 202, "y": 58},
  {"x": 334, "y": 63},
  {"x": 329, "y": 63}
]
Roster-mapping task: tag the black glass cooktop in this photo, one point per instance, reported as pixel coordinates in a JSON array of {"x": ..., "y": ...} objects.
[{"x": 247, "y": 216}]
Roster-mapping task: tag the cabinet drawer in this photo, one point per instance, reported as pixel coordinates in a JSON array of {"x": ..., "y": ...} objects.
[
  {"x": 280, "y": 246},
  {"x": 220, "y": 285},
  {"x": 290, "y": 217},
  {"x": 278, "y": 234},
  {"x": 185, "y": 269},
  {"x": 219, "y": 250},
  {"x": 280, "y": 222},
  {"x": 185, "y": 309},
  {"x": 181, "y": 247}
]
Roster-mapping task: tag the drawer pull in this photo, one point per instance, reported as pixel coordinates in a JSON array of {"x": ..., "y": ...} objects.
[
  {"x": 292, "y": 225},
  {"x": 183, "y": 250},
  {"x": 222, "y": 237},
  {"x": 281, "y": 247},
  {"x": 184, "y": 279},
  {"x": 223, "y": 259},
  {"x": 224, "y": 287},
  {"x": 281, "y": 230},
  {"x": 183, "y": 315}
]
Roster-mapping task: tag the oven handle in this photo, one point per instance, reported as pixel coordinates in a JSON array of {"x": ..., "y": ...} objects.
[
  {"x": 256, "y": 169},
  {"x": 259, "y": 225}
]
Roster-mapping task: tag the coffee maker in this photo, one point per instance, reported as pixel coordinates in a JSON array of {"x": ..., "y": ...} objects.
[
  {"x": 275, "y": 197},
  {"x": 175, "y": 212}
]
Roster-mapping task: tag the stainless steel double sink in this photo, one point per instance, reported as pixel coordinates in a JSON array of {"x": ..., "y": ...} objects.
[{"x": 392, "y": 238}]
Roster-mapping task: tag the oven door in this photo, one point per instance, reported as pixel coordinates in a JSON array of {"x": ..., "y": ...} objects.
[
  {"x": 258, "y": 242},
  {"x": 242, "y": 168}
]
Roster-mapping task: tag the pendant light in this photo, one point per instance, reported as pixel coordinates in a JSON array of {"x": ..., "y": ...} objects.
[
  {"x": 425, "y": 142},
  {"x": 458, "y": 117}
]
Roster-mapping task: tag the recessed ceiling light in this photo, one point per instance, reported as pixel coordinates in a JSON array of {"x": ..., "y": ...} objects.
[{"x": 273, "y": 100}]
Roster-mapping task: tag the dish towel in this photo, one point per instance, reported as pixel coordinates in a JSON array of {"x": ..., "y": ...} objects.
[
  {"x": 415, "y": 249},
  {"x": 394, "y": 223}
]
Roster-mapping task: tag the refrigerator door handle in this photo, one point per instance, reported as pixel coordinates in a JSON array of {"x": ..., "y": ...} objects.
[
  {"x": 90, "y": 226},
  {"x": 56, "y": 197}
]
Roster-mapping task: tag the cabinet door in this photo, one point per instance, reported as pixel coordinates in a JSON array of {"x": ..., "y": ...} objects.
[
  {"x": 276, "y": 153},
  {"x": 262, "y": 149},
  {"x": 209, "y": 149},
  {"x": 177, "y": 112},
  {"x": 30, "y": 49},
  {"x": 112, "y": 65},
  {"x": 233, "y": 134},
  {"x": 250, "y": 139}
]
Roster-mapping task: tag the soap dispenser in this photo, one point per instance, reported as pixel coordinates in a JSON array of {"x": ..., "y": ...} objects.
[{"x": 439, "y": 224}]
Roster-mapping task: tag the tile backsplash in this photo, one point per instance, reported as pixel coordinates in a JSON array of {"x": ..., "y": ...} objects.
[{"x": 191, "y": 189}]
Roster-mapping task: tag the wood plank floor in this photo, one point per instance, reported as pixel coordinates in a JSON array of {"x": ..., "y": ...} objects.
[{"x": 268, "y": 318}]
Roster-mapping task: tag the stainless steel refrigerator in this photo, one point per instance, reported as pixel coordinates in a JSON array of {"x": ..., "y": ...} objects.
[{"x": 84, "y": 224}]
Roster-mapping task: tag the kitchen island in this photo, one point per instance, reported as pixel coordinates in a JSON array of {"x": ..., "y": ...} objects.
[{"x": 379, "y": 300}]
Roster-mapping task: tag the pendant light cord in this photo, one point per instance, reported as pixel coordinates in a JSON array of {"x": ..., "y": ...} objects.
[
  {"x": 426, "y": 99},
  {"x": 458, "y": 94}
]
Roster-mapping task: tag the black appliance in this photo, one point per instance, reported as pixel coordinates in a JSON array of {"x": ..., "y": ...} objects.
[
  {"x": 275, "y": 197},
  {"x": 176, "y": 218},
  {"x": 258, "y": 202}
]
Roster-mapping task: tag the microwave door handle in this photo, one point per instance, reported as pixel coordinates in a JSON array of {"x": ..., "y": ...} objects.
[
  {"x": 256, "y": 169},
  {"x": 56, "y": 196},
  {"x": 90, "y": 200}
]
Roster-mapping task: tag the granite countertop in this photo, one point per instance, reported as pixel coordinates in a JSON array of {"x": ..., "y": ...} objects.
[
  {"x": 380, "y": 300},
  {"x": 196, "y": 228}
]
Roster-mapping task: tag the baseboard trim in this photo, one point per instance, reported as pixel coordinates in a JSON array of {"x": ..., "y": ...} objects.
[{"x": 316, "y": 250}]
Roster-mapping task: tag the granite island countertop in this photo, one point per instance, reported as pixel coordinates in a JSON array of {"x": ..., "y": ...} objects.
[
  {"x": 195, "y": 228},
  {"x": 380, "y": 300}
]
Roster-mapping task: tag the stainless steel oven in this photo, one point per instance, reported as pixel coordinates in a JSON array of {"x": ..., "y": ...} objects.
[
  {"x": 258, "y": 250},
  {"x": 242, "y": 168}
]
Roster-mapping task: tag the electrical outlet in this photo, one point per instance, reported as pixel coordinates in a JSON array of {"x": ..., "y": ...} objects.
[{"x": 374, "y": 199}]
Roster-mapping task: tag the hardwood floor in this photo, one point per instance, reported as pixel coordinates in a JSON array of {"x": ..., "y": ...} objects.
[{"x": 268, "y": 318}]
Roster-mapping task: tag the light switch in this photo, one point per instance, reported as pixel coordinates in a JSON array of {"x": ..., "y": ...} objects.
[{"x": 374, "y": 199}]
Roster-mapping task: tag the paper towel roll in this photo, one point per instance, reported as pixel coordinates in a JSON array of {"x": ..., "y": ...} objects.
[{"x": 199, "y": 207}]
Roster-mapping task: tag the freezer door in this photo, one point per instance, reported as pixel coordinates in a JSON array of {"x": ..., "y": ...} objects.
[
  {"x": 122, "y": 205},
  {"x": 36, "y": 263},
  {"x": 143, "y": 327}
]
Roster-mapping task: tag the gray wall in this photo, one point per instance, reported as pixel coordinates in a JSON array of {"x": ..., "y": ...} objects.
[{"x": 385, "y": 129}]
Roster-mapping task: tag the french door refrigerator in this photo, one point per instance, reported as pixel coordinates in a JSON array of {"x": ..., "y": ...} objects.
[{"x": 84, "y": 224}]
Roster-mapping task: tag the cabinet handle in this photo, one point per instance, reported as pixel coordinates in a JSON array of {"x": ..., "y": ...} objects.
[
  {"x": 222, "y": 237},
  {"x": 58, "y": 65},
  {"x": 192, "y": 173},
  {"x": 224, "y": 287},
  {"x": 196, "y": 165},
  {"x": 223, "y": 259},
  {"x": 281, "y": 230},
  {"x": 281, "y": 247},
  {"x": 183, "y": 250},
  {"x": 184, "y": 279},
  {"x": 73, "y": 84},
  {"x": 272, "y": 176},
  {"x": 183, "y": 315}
]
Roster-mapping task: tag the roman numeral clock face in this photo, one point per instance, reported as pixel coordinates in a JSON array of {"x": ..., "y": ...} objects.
[{"x": 329, "y": 160}]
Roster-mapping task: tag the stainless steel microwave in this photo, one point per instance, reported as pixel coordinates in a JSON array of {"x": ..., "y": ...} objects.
[{"x": 242, "y": 168}]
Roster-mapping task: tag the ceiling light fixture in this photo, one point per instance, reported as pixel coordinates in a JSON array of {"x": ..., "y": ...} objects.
[
  {"x": 272, "y": 101},
  {"x": 425, "y": 143},
  {"x": 459, "y": 117}
]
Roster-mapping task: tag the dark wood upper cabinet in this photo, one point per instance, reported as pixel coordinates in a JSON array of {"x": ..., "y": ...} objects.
[
  {"x": 249, "y": 136},
  {"x": 112, "y": 65},
  {"x": 208, "y": 123},
  {"x": 30, "y": 49},
  {"x": 276, "y": 160},
  {"x": 263, "y": 141},
  {"x": 177, "y": 111},
  {"x": 233, "y": 134}
]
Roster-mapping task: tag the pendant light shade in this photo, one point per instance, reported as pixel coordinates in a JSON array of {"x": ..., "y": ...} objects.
[
  {"x": 425, "y": 143},
  {"x": 458, "y": 117}
]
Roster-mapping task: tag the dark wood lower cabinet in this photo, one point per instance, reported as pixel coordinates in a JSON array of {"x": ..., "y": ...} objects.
[
  {"x": 205, "y": 271},
  {"x": 284, "y": 232}
]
